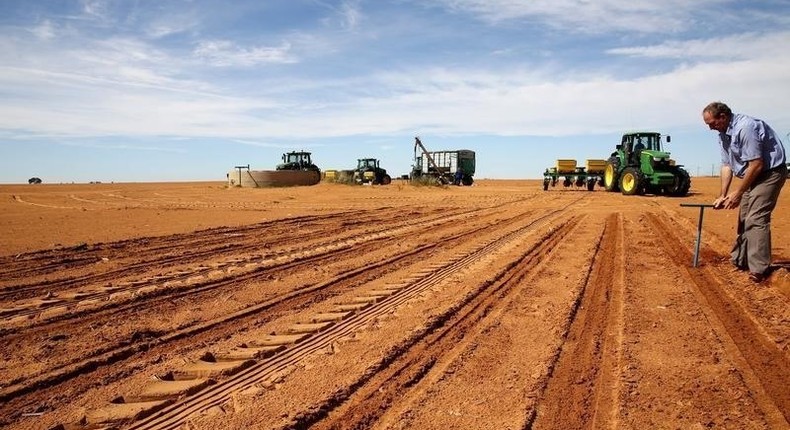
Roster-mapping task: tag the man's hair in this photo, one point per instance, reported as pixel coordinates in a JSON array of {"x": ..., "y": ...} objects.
[{"x": 716, "y": 109}]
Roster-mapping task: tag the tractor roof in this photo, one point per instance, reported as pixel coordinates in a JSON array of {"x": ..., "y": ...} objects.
[{"x": 640, "y": 132}]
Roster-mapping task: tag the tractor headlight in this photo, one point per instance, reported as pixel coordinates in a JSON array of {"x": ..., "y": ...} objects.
[{"x": 658, "y": 162}]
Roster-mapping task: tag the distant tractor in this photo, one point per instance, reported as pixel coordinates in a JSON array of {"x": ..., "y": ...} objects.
[
  {"x": 297, "y": 160},
  {"x": 640, "y": 165},
  {"x": 455, "y": 167},
  {"x": 368, "y": 171}
]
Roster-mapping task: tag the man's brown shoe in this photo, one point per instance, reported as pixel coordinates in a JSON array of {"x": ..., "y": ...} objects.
[{"x": 756, "y": 277}]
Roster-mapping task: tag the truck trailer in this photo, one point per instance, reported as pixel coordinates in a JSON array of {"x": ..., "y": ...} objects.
[{"x": 455, "y": 167}]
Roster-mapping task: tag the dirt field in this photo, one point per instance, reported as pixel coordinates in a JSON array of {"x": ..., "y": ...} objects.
[{"x": 496, "y": 306}]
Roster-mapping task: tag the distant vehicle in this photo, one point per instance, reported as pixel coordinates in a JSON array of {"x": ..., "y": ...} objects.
[
  {"x": 34, "y": 180},
  {"x": 369, "y": 171},
  {"x": 298, "y": 160},
  {"x": 455, "y": 167}
]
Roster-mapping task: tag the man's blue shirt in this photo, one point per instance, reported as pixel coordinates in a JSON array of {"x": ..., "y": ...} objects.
[{"x": 748, "y": 139}]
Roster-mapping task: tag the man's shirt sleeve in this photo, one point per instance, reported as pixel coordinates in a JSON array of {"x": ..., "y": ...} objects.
[{"x": 750, "y": 137}]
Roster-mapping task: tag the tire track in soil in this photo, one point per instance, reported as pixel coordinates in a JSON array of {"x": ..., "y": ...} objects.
[
  {"x": 442, "y": 334},
  {"x": 169, "y": 251},
  {"x": 47, "y": 261},
  {"x": 113, "y": 355},
  {"x": 764, "y": 366},
  {"x": 582, "y": 386},
  {"x": 53, "y": 307},
  {"x": 362, "y": 404}
]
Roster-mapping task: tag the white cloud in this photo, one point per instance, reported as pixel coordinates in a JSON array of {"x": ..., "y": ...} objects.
[
  {"x": 170, "y": 26},
  {"x": 740, "y": 46},
  {"x": 224, "y": 53},
  {"x": 435, "y": 101},
  {"x": 261, "y": 144},
  {"x": 111, "y": 146},
  {"x": 121, "y": 86},
  {"x": 44, "y": 31},
  {"x": 96, "y": 9},
  {"x": 592, "y": 16},
  {"x": 351, "y": 15}
]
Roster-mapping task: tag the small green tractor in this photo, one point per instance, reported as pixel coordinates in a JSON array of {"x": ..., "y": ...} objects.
[
  {"x": 640, "y": 165},
  {"x": 297, "y": 160},
  {"x": 368, "y": 171}
]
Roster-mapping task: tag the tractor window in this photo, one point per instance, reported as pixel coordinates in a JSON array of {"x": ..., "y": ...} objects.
[{"x": 652, "y": 142}]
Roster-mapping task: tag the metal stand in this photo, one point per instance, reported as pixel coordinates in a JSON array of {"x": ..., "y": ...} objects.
[
  {"x": 701, "y": 207},
  {"x": 242, "y": 167}
]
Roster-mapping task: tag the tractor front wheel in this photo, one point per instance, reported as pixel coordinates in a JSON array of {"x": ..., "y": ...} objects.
[
  {"x": 631, "y": 181},
  {"x": 610, "y": 179},
  {"x": 682, "y": 183}
]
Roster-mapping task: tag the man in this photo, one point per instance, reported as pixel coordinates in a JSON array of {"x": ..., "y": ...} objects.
[
  {"x": 752, "y": 151},
  {"x": 638, "y": 148}
]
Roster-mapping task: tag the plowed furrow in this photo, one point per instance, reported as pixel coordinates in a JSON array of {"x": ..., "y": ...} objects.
[
  {"x": 361, "y": 405},
  {"x": 49, "y": 309},
  {"x": 581, "y": 383},
  {"x": 42, "y": 262},
  {"x": 155, "y": 344},
  {"x": 761, "y": 355},
  {"x": 181, "y": 250},
  {"x": 441, "y": 334},
  {"x": 110, "y": 354}
]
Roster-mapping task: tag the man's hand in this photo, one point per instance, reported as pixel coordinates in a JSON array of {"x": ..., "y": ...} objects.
[
  {"x": 730, "y": 201},
  {"x": 733, "y": 200}
]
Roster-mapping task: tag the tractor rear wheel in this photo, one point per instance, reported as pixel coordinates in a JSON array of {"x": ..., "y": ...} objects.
[
  {"x": 610, "y": 177},
  {"x": 631, "y": 181}
]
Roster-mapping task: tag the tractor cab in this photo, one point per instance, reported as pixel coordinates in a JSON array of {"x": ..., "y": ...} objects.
[
  {"x": 297, "y": 160},
  {"x": 633, "y": 144},
  {"x": 367, "y": 164}
]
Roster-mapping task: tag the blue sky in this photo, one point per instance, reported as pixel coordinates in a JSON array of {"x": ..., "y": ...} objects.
[{"x": 180, "y": 90}]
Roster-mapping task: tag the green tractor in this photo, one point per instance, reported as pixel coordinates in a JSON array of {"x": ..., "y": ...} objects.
[
  {"x": 640, "y": 165},
  {"x": 369, "y": 171},
  {"x": 297, "y": 160}
]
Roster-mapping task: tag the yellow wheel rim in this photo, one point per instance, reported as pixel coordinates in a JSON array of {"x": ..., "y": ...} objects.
[
  {"x": 609, "y": 175},
  {"x": 628, "y": 182}
]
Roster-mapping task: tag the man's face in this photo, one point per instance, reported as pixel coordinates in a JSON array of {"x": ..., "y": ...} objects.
[{"x": 718, "y": 123}]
